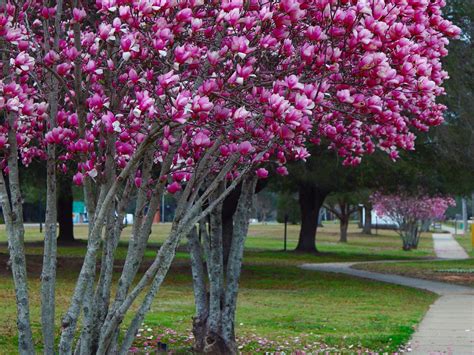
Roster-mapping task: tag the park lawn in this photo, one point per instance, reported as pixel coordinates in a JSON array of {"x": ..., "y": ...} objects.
[
  {"x": 280, "y": 307},
  {"x": 454, "y": 271},
  {"x": 262, "y": 242},
  {"x": 466, "y": 243}
]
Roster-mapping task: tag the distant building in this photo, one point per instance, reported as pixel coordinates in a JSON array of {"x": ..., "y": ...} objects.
[{"x": 380, "y": 221}]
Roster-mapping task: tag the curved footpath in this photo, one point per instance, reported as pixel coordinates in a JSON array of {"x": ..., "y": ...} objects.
[{"x": 448, "y": 326}]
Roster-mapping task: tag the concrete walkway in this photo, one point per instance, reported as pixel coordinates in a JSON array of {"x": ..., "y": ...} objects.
[
  {"x": 448, "y": 326},
  {"x": 446, "y": 247}
]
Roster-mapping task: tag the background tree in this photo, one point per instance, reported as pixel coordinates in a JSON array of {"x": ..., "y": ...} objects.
[
  {"x": 287, "y": 205},
  {"x": 315, "y": 179},
  {"x": 411, "y": 212},
  {"x": 343, "y": 206},
  {"x": 65, "y": 209},
  {"x": 265, "y": 202}
]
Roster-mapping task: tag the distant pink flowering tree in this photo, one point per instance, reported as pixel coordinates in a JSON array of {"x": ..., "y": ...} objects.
[
  {"x": 136, "y": 97},
  {"x": 411, "y": 212}
]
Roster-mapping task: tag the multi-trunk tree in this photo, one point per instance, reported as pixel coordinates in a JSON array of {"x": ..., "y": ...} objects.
[
  {"x": 411, "y": 212},
  {"x": 135, "y": 97},
  {"x": 343, "y": 206}
]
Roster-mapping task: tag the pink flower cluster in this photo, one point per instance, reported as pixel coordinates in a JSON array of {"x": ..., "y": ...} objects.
[
  {"x": 257, "y": 78},
  {"x": 404, "y": 206}
]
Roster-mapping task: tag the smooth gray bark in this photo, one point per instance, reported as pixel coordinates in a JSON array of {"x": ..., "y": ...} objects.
[
  {"x": 188, "y": 214},
  {"x": 199, "y": 288},
  {"x": 87, "y": 273},
  {"x": 138, "y": 237},
  {"x": 48, "y": 274},
  {"x": 216, "y": 272},
  {"x": 213, "y": 325},
  {"x": 112, "y": 236},
  {"x": 83, "y": 292},
  {"x": 410, "y": 232},
  {"x": 141, "y": 230},
  {"x": 234, "y": 265},
  {"x": 155, "y": 274},
  {"x": 464, "y": 215},
  {"x": 13, "y": 216},
  {"x": 12, "y": 210}
]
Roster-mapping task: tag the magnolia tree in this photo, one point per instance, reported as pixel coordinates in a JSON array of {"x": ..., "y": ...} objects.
[
  {"x": 411, "y": 213},
  {"x": 136, "y": 97}
]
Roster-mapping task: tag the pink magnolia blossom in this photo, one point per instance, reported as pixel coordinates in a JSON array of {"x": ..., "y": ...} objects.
[
  {"x": 78, "y": 178},
  {"x": 262, "y": 173},
  {"x": 409, "y": 206},
  {"x": 174, "y": 187},
  {"x": 262, "y": 79},
  {"x": 78, "y": 14},
  {"x": 282, "y": 170}
]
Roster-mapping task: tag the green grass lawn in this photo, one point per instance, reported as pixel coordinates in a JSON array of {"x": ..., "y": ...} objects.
[
  {"x": 281, "y": 307},
  {"x": 263, "y": 240},
  {"x": 466, "y": 243}
]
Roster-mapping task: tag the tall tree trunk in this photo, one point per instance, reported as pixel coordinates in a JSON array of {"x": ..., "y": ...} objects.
[
  {"x": 343, "y": 226},
  {"x": 201, "y": 299},
  {"x": 410, "y": 234},
  {"x": 234, "y": 266},
  {"x": 343, "y": 211},
  {"x": 18, "y": 265},
  {"x": 216, "y": 273},
  {"x": 228, "y": 210},
  {"x": 213, "y": 325},
  {"x": 464, "y": 215},
  {"x": 367, "y": 219},
  {"x": 311, "y": 200},
  {"x": 12, "y": 209},
  {"x": 48, "y": 274},
  {"x": 65, "y": 211}
]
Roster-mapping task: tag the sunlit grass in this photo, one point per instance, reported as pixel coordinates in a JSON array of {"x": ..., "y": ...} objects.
[{"x": 466, "y": 242}]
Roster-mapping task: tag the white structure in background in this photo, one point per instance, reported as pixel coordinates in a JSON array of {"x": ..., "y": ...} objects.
[
  {"x": 128, "y": 219},
  {"x": 383, "y": 221},
  {"x": 380, "y": 220}
]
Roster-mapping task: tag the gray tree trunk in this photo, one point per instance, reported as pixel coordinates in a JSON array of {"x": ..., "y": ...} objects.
[
  {"x": 187, "y": 215},
  {"x": 367, "y": 228},
  {"x": 213, "y": 325},
  {"x": 13, "y": 215},
  {"x": 87, "y": 273},
  {"x": 234, "y": 265},
  {"x": 410, "y": 233},
  {"x": 216, "y": 272},
  {"x": 343, "y": 226},
  {"x": 199, "y": 287},
  {"x": 464, "y": 215},
  {"x": 48, "y": 274}
]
